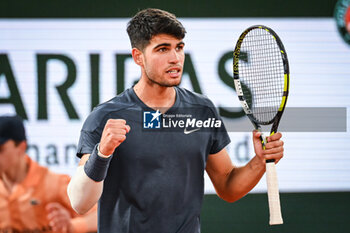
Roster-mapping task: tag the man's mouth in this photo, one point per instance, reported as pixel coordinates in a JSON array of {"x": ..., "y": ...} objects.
[{"x": 173, "y": 71}]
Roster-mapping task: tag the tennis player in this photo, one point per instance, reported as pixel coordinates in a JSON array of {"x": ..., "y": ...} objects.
[{"x": 151, "y": 180}]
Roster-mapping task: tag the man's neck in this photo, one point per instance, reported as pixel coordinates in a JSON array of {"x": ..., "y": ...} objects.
[
  {"x": 15, "y": 175},
  {"x": 155, "y": 96}
]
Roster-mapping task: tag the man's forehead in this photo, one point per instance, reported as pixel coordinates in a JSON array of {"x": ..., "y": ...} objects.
[{"x": 165, "y": 38}]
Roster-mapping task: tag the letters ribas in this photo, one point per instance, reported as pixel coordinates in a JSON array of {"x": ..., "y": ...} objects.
[{"x": 15, "y": 96}]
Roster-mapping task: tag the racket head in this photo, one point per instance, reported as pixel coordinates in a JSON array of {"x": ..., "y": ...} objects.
[{"x": 261, "y": 75}]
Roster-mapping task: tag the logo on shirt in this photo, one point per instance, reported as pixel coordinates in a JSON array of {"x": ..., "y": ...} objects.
[
  {"x": 152, "y": 119},
  {"x": 34, "y": 202},
  {"x": 186, "y": 131}
]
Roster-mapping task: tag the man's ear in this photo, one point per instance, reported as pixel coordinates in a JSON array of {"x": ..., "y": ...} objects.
[
  {"x": 137, "y": 55},
  {"x": 23, "y": 146}
]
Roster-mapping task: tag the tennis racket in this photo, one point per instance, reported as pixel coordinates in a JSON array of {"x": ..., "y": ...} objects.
[{"x": 261, "y": 77}]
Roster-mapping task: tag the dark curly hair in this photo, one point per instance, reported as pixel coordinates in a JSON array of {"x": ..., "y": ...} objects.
[{"x": 150, "y": 22}]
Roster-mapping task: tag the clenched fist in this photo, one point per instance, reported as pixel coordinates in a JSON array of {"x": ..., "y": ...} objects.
[{"x": 114, "y": 133}]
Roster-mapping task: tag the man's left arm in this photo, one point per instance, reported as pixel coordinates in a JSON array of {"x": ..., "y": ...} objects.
[
  {"x": 232, "y": 183},
  {"x": 63, "y": 218}
]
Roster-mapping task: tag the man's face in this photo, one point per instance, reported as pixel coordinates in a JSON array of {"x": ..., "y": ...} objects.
[
  {"x": 163, "y": 60},
  {"x": 9, "y": 155}
]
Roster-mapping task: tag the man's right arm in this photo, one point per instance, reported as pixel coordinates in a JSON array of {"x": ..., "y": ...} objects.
[
  {"x": 85, "y": 187},
  {"x": 83, "y": 192}
]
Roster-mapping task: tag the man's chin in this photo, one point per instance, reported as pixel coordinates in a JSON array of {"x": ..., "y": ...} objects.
[
  {"x": 176, "y": 83},
  {"x": 168, "y": 83}
]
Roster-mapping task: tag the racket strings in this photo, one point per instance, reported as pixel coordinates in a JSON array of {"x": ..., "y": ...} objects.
[{"x": 262, "y": 74}]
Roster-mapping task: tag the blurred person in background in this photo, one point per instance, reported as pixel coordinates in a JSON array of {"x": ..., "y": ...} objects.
[{"x": 32, "y": 198}]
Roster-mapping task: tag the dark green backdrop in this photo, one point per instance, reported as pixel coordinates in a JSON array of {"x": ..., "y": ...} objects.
[
  {"x": 302, "y": 213},
  {"x": 182, "y": 8}
]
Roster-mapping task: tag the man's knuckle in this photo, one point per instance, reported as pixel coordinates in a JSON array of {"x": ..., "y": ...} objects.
[
  {"x": 123, "y": 131},
  {"x": 121, "y": 121}
]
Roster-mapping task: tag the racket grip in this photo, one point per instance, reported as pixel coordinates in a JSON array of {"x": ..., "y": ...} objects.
[{"x": 273, "y": 194}]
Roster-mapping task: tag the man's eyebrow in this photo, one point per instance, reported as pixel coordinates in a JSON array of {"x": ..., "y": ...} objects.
[
  {"x": 161, "y": 45},
  {"x": 167, "y": 45},
  {"x": 181, "y": 43}
]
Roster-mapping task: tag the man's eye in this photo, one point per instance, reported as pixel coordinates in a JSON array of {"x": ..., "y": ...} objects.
[
  {"x": 162, "y": 49},
  {"x": 179, "y": 48}
]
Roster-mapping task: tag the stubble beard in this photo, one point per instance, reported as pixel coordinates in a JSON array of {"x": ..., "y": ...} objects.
[{"x": 159, "y": 83}]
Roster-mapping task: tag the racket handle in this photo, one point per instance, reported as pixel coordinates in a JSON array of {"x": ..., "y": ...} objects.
[{"x": 273, "y": 194}]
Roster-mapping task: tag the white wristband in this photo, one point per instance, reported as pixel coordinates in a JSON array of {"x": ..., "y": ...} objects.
[{"x": 100, "y": 154}]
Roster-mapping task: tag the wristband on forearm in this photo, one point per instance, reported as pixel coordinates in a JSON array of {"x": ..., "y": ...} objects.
[{"x": 96, "y": 166}]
